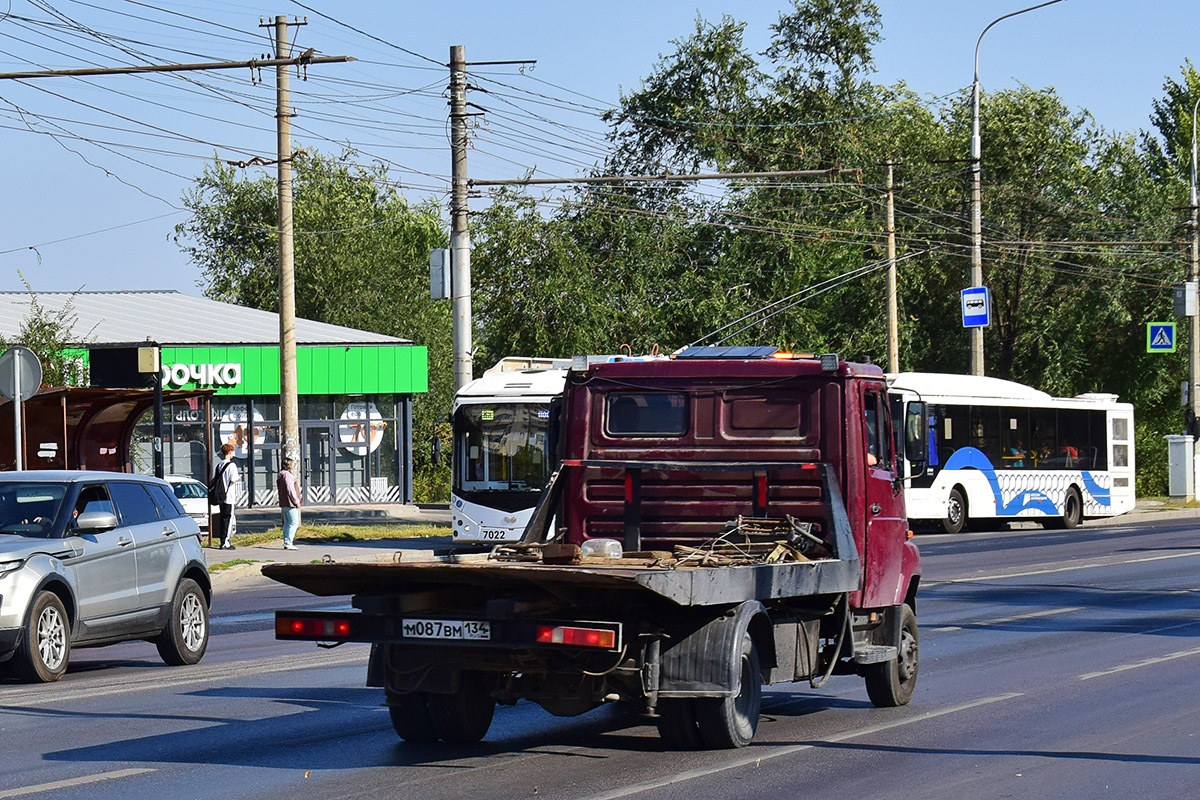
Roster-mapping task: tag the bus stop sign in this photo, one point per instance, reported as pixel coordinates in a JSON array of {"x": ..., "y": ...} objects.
[{"x": 976, "y": 307}]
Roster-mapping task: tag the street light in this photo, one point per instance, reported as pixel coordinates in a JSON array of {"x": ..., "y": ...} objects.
[{"x": 976, "y": 213}]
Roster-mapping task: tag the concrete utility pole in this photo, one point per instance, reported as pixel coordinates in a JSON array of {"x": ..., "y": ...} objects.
[
  {"x": 288, "y": 398},
  {"x": 1194, "y": 224},
  {"x": 976, "y": 276},
  {"x": 460, "y": 235},
  {"x": 892, "y": 308},
  {"x": 289, "y": 391}
]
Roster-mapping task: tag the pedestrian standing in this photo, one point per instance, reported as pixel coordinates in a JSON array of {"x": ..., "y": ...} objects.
[
  {"x": 289, "y": 503},
  {"x": 226, "y": 475}
]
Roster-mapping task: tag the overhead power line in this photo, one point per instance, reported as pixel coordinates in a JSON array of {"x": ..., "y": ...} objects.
[
  {"x": 301, "y": 60},
  {"x": 832, "y": 172}
]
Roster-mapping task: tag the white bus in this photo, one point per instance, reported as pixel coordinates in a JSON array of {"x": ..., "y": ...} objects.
[
  {"x": 503, "y": 450},
  {"x": 1002, "y": 451}
]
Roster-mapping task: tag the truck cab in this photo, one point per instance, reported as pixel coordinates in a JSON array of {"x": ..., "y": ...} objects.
[{"x": 735, "y": 436}]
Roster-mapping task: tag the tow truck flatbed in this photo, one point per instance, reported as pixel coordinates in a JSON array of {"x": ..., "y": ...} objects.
[{"x": 683, "y": 585}]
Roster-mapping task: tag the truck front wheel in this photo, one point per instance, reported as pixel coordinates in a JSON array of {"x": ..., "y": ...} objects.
[
  {"x": 891, "y": 683},
  {"x": 464, "y": 716},
  {"x": 410, "y": 717},
  {"x": 726, "y": 722}
]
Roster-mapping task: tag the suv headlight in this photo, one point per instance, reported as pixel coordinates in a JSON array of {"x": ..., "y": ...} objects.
[{"x": 9, "y": 566}]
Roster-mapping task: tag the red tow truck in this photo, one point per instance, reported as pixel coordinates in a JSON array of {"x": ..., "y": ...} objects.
[{"x": 720, "y": 520}]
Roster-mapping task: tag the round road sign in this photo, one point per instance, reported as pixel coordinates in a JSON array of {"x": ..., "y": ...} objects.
[{"x": 19, "y": 366}]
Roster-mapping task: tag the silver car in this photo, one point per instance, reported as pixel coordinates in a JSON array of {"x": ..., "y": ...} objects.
[
  {"x": 193, "y": 496},
  {"x": 94, "y": 558}
]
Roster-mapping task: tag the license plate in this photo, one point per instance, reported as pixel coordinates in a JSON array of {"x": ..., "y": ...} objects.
[
  {"x": 495, "y": 534},
  {"x": 446, "y": 629}
]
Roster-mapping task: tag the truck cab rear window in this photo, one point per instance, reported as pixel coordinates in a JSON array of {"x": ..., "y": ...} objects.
[{"x": 646, "y": 414}]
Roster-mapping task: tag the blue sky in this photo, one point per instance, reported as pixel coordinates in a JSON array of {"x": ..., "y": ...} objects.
[{"x": 125, "y": 148}]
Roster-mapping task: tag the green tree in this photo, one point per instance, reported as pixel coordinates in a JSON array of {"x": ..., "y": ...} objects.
[
  {"x": 52, "y": 337},
  {"x": 361, "y": 260},
  {"x": 667, "y": 264}
]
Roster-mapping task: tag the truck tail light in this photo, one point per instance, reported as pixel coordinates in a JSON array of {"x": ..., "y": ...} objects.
[
  {"x": 308, "y": 627},
  {"x": 580, "y": 637}
]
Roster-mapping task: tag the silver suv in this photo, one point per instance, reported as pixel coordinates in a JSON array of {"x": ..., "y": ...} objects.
[{"x": 94, "y": 558}]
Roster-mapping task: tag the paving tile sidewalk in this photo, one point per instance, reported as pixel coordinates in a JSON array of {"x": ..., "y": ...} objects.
[{"x": 261, "y": 519}]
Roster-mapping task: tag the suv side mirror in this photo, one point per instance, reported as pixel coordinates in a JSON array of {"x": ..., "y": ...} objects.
[{"x": 96, "y": 521}]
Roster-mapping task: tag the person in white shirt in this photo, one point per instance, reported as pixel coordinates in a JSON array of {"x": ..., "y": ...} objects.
[{"x": 227, "y": 473}]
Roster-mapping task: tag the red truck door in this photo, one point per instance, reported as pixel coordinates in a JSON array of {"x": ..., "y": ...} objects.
[{"x": 886, "y": 525}]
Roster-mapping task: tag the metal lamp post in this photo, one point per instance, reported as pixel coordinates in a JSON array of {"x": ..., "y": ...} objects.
[{"x": 976, "y": 213}]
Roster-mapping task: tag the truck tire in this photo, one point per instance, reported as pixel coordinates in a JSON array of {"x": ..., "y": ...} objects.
[
  {"x": 464, "y": 716},
  {"x": 410, "y": 717},
  {"x": 891, "y": 683},
  {"x": 45, "y": 644},
  {"x": 677, "y": 723},
  {"x": 955, "y": 520},
  {"x": 728, "y": 722},
  {"x": 185, "y": 639}
]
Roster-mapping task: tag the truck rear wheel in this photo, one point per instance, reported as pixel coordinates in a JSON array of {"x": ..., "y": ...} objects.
[
  {"x": 891, "y": 683},
  {"x": 677, "y": 723},
  {"x": 410, "y": 717},
  {"x": 727, "y": 722},
  {"x": 464, "y": 716}
]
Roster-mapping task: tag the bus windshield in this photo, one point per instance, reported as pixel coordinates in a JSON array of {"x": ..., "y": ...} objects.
[{"x": 501, "y": 447}]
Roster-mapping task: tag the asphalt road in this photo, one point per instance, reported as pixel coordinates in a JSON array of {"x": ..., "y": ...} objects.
[{"x": 1054, "y": 665}]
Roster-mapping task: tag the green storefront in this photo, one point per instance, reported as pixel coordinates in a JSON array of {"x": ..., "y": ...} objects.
[{"x": 355, "y": 415}]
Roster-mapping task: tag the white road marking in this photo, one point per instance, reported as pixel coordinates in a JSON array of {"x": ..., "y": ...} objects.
[
  {"x": 170, "y": 678},
  {"x": 1145, "y": 663},
  {"x": 72, "y": 782},
  {"x": 756, "y": 756},
  {"x": 999, "y": 576},
  {"x": 1005, "y": 620}
]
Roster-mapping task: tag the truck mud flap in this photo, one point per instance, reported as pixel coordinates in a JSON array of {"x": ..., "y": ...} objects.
[
  {"x": 880, "y": 641},
  {"x": 697, "y": 658}
]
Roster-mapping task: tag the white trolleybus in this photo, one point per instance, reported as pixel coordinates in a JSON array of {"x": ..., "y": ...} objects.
[
  {"x": 503, "y": 447},
  {"x": 1002, "y": 451}
]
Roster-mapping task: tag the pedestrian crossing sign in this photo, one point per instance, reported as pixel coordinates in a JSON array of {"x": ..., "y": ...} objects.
[{"x": 1160, "y": 337}]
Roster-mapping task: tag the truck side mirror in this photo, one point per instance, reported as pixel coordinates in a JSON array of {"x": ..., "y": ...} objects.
[{"x": 916, "y": 435}]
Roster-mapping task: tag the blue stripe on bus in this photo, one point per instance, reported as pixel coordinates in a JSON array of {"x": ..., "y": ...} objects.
[{"x": 973, "y": 458}]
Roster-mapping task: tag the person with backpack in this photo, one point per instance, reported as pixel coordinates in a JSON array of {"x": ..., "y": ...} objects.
[{"x": 222, "y": 492}]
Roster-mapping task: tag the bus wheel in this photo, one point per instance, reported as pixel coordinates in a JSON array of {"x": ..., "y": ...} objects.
[
  {"x": 956, "y": 513},
  {"x": 1072, "y": 509}
]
